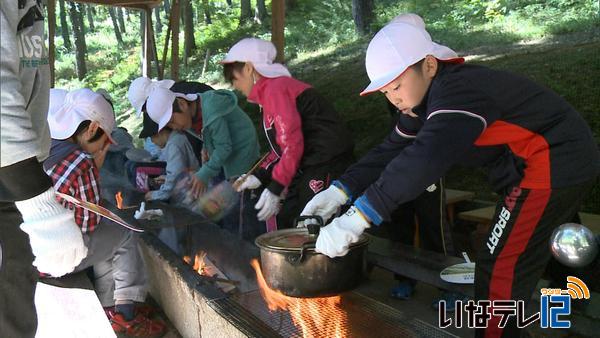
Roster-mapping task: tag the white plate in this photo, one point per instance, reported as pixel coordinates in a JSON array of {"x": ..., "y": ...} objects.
[{"x": 463, "y": 273}]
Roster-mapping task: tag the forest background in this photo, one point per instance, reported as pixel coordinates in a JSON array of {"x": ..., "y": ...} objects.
[{"x": 554, "y": 42}]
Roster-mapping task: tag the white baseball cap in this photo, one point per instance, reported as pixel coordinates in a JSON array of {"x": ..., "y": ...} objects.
[
  {"x": 160, "y": 104},
  {"x": 78, "y": 106},
  {"x": 260, "y": 53},
  {"x": 410, "y": 18},
  {"x": 140, "y": 88},
  {"x": 56, "y": 100},
  {"x": 400, "y": 44}
]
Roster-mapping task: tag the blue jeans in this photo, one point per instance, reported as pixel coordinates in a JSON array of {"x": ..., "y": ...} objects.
[{"x": 119, "y": 272}]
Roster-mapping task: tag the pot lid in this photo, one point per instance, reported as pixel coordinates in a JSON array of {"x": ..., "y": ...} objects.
[{"x": 293, "y": 239}]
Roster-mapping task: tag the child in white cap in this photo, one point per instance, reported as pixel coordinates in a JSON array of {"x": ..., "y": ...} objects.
[
  {"x": 138, "y": 93},
  {"x": 452, "y": 111},
  {"x": 310, "y": 145},
  {"x": 228, "y": 135},
  {"x": 80, "y": 131}
]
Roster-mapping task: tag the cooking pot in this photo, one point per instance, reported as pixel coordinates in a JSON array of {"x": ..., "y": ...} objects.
[{"x": 291, "y": 265}]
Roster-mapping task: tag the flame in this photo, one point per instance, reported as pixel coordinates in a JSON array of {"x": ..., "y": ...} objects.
[
  {"x": 119, "y": 199},
  {"x": 315, "y": 317},
  {"x": 199, "y": 263}
]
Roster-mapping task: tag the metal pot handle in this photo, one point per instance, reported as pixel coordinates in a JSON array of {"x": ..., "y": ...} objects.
[
  {"x": 295, "y": 260},
  {"x": 313, "y": 229}
]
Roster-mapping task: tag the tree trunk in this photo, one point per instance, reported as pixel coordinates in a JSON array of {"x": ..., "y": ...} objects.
[
  {"x": 121, "y": 20},
  {"x": 167, "y": 8},
  {"x": 245, "y": 11},
  {"x": 188, "y": 21},
  {"x": 157, "y": 19},
  {"x": 206, "y": 7},
  {"x": 90, "y": 17},
  {"x": 64, "y": 26},
  {"x": 261, "y": 11},
  {"x": 206, "y": 60},
  {"x": 113, "y": 18},
  {"x": 362, "y": 12},
  {"x": 79, "y": 33}
]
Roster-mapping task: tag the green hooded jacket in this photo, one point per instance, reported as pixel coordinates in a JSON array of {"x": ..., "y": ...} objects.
[{"x": 229, "y": 136}]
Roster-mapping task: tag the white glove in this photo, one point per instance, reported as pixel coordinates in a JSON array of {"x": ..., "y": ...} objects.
[
  {"x": 250, "y": 183},
  {"x": 55, "y": 239},
  {"x": 325, "y": 204},
  {"x": 268, "y": 204},
  {"x": 335, "y": 238}
]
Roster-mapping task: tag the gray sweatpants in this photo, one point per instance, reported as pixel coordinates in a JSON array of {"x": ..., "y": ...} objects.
[{"x": 118, "y": 266}]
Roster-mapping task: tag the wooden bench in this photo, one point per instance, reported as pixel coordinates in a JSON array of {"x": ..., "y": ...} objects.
[
  {"x": 483, "y": 218},
  {"x": 418, "y": 264},
  {"x": 453, "y": 197}
]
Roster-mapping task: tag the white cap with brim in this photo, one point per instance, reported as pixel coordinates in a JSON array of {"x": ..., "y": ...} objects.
[
  {"x": 140, "y": 88},
  {"x": 56, "y": 100},
  {"x": 260, "y": 53},
  {"x": 78, "y": 106},
  {"x": 397, "y": 46},
  {"x": 160, "y": 105}
]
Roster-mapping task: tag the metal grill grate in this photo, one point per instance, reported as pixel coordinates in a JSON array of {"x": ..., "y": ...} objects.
[{"x": 364, "y": 318}]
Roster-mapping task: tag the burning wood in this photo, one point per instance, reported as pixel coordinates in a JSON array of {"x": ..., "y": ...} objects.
[
  {"x": 119, "y": 200},
  {"x": 315, "y": 317},
  {"x": 205, "y": 268}
]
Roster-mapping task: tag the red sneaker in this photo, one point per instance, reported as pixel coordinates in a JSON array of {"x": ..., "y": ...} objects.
[
  {"x": 140, "y": 326},
  {"x": 140, "y": 309}
]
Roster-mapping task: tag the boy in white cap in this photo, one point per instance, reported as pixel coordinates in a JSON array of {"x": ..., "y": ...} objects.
[
  {"x": 228, "y": 134},
  {"x": 310, "y": 145},
  {"x": 452, "y": 111},
  {"x": 80, "y": 131},
  {"x": 140, "y": 89}
]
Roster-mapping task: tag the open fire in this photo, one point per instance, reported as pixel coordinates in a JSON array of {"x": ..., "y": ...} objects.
[
  {"x": 119, "y": 202},
  {"x": 315, "y": 317},
  {"x": 199, "y": 262}
]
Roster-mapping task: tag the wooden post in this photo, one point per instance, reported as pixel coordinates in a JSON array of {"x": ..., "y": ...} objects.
[
  {"x": 146, "y": 62},
  {"x": 148, "y": 41},
  {"x": 277, "y": 28},
  {"x": 175, "y": 46},
  {"x": 167, "y": 37},
  {"x": 51, "y": 31},
  {"x": 153, "y": 46}
]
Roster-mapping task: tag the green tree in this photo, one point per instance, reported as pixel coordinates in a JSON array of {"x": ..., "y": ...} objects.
[
  {"x": 113, "y": 18},
  {"x": 79, "y": 34},
  {"x": 64, "y": 26},
  {"x": 261, "y": 11},
  {"x": 245, "y": 11},
  {"x": 362, "y": 12},
  {"x": 189, "y": 43}
]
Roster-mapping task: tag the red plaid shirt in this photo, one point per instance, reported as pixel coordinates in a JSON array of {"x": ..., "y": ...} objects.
[{"x": 77, "y": 175}]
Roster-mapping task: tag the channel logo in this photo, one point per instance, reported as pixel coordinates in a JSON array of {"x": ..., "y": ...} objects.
[
  {"x": 577, "y": 289},
  {"x": 555, "y": 308}
]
